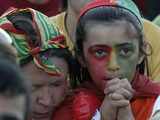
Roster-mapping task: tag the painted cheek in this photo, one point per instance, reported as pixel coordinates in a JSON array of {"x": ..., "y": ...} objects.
[{"x": 97, "y": 68}]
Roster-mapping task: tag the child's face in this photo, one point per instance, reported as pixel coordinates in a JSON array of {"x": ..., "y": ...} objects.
[
  {"x": 111, "y": 51},
  {"x": 47, "y": 91}
]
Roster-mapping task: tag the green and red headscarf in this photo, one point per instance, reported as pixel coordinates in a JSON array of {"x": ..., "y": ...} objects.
[
  {"x": 47, "y": 37},
  {"x": 125, "y": 4}
]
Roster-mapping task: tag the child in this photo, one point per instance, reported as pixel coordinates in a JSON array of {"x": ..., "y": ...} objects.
[
  {"x": 43, "y": 56},
  {"x": 66, "y": 22},
  {"x": 110, "y": 46}
]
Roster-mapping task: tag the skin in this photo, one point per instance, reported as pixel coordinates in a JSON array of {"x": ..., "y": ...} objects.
[
  {"x": 47, "y": 91},
  {"x": 111, "y": 54},
  {"x": 12, "y": 107}
]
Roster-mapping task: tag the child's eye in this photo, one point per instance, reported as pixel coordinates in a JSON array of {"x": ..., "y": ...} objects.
[
  {"x": 100, "y": 53},
  {"x": 125, "y": 52}
]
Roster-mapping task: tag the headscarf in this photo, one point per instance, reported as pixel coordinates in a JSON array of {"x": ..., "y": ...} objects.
[
  {"x": 128, "y": 5},
  {"x": 31, "y": 43}
]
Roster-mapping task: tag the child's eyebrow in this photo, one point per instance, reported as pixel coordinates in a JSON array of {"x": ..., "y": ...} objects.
[{"x": 128, "y": 44}]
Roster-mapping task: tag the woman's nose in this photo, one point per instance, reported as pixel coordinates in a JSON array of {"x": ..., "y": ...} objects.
[{"x": 45, "y": 97}]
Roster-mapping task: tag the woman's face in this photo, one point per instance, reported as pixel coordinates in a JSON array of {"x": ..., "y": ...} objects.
[
  {"x": 47, "y": 91},
  {"x": 111, "y": 50}
]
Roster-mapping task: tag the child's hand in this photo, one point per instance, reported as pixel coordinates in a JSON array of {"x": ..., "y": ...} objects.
[
  {"x": 116, "y": 87},
  {"x": 118, "y": 93},
  {"x": 125, "y": 113}
]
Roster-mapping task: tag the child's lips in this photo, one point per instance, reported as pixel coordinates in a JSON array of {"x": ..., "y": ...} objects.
[{"x": 108, "y": 78}]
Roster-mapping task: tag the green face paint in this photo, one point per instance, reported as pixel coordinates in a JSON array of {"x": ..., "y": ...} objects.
[{"x": 127, "y": 56}]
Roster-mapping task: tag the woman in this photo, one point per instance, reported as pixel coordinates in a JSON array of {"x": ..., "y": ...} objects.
[{"x": 43, "y": 57}]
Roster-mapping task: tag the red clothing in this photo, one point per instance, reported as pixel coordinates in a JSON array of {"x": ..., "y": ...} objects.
[
  {"x": 142, "y": 108},
  {"x": 80, "y": 106},
  {"x": 51, "y": 8},
  {"x": 142, "y": 102}
]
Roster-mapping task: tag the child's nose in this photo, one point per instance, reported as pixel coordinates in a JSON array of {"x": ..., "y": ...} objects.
[
  {"x": 112, "y": 64},
  {"x": 45, "y": 97}
]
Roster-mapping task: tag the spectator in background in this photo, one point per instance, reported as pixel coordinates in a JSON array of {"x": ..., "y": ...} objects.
[
  {"x": 14, "y": 92},
  {"x": 48, "y": 7},
  {"x": 6, "y": 49},
  {"x": 67, "y": 20}
]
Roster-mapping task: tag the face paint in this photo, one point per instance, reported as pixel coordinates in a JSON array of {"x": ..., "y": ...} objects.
[
  {"x": 100, "y": 53},
  {"x": 110, "y": 53}
]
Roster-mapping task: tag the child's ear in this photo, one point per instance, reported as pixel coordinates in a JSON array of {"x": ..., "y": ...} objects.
[
  {"x": 81, "y": 61},
  {"x": 143, "y": 50}
]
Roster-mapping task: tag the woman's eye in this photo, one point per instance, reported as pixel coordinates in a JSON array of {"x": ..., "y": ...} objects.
[
  {"x": 100, "y": 53},
  {"x": 56, "y": 84},
  {"x": 36, "y": 87}
]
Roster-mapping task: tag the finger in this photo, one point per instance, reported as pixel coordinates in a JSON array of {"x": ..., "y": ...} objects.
[
  {"x": 115, "y": 96},
  {"x": 125, "y": 93},
  {"x": 127, "y": 85},
  {"x": 112, "y": 88},
  {"x": 113, "y": 81},
  {"x": 120, "y": 103}
]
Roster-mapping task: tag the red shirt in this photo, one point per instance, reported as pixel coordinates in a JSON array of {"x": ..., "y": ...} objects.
[
  {"x": 51, "y": 8},
  {"x": 83, "y": 104}
]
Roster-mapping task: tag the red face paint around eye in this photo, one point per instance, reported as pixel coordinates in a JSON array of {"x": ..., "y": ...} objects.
[
  {"x": 97, "y": 59},
  {"x": 100, "y": 52}
]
